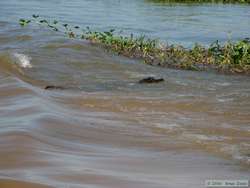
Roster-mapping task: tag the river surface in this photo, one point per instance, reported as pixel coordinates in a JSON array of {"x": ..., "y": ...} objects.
[{"x": 104, "y": 130}]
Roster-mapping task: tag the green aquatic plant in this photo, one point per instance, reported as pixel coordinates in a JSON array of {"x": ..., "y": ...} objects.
[
  {"x": 43, "y": 21},
  {"x": 228, "y": 57},
  {"x": 65, "y": 25},
  {"x": 198, "y": 1},
  {"x": 235, "y": 56},
  {"x": 24, "y": 22},
  {"x": 35, "y": 16}
]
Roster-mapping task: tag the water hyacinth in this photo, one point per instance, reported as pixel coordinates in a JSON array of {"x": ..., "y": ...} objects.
[
  {"x": 199, "y": 1},
  {"x": 229, "y": 57},
  {"x": 24, "y": 22}
]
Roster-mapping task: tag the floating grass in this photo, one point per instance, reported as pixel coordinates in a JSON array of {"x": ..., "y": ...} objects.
[
  {"x": 199, "y": 1},
  {"x": 231, "y": 57}
]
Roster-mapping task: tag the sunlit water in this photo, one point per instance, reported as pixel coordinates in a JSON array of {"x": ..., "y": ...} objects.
[{"x": 105, "y": 129}]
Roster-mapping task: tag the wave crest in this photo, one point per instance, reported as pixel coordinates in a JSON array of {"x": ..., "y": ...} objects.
[{"x": 23, "y": 60}]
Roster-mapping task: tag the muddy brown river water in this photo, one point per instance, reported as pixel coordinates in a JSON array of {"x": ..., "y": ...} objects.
[{"x": 105, "y": 129}]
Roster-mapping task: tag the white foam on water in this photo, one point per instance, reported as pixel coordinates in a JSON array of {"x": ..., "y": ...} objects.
[
  {"x": 170, "y": 126},
  {"x": 199, "y": 138},
  {"x": 224, "y": 100},
  {"x": 222, "y": 83},
  {"x": 23, "y": 60}
]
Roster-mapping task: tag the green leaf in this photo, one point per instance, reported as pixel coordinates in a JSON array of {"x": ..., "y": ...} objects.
[
  {"x": 24, "y": 22},
  {"x": 35, "y": 16},
  {"x": 43, "y": 21}
]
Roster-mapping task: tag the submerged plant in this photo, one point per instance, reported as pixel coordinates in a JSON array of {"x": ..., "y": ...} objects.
[{"x": 233, "y": 57}]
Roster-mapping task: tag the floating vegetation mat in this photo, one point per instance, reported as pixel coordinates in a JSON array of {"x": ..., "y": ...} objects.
[
  {"x": 199, "y": 1},
  {"x": 230, "y": 57}
]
